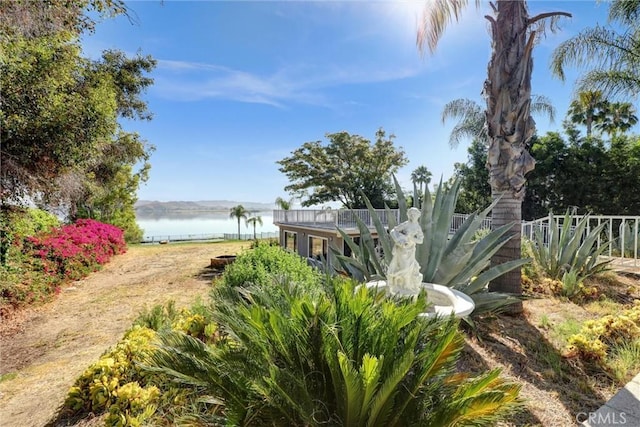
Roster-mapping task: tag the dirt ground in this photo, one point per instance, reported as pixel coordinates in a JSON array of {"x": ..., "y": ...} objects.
[{"x": 43, "y": 350}]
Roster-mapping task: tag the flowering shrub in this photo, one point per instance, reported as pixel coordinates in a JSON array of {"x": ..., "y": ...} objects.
[
  {"x": 72, "y": 251},
  {"x": 39, "y": 264}
]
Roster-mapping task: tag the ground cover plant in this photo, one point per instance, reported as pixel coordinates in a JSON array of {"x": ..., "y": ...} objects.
[{"x": 42, "y": 257}]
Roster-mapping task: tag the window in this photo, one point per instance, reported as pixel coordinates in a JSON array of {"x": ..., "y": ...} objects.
[
  {"x": 291, "y": 241},
  {"x": 318, "y": 248}
]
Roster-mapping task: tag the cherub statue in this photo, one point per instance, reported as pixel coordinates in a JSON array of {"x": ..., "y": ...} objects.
[{"x": 403, "y": 274}]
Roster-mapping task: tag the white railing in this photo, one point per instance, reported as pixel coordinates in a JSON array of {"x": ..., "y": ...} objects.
[
  {"x": 622, "y": 231},
  {"x": 342, "y": 218}
]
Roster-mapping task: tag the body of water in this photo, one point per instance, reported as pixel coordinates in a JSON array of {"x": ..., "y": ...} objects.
[{"x": 201, "y": 223}]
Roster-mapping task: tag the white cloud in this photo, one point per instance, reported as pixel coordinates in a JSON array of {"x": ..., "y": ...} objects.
[{"x": 301, "y": 84}]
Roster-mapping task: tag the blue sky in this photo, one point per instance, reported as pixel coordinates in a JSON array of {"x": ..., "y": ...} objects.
[{"x": 240, "y": 84}]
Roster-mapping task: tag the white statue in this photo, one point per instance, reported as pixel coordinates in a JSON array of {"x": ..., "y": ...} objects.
[{"x": 403, "y": 274}]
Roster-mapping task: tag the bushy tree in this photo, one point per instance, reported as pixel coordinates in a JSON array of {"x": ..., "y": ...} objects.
[
  {"x": 61, "y": 140},
  {"x": 343, "y": 170}
]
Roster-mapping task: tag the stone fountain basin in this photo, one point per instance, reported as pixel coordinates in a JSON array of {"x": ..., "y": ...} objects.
[{"x": 443, "y": 300}]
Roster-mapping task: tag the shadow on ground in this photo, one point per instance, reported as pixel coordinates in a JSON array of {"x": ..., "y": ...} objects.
[{"x": 524, "y": 350}]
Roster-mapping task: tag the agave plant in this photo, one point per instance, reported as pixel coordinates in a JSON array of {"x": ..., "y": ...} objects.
[
  {"x": 630, "y": 235},
  {"x": 571, "y": 253},
  {"x": 460, "y": 260},
  {"x": 347, "y": 357}
]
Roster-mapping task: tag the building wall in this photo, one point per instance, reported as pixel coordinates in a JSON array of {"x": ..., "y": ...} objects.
[{"x": 303, "y": 234}]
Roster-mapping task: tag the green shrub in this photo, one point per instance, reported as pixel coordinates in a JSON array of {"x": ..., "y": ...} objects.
[
  {"x": 344, "y": 358},
  {"x": 260, "y": 265},
  {"x": 571, "y": 254},
  {"x": 461, "y": 261}
]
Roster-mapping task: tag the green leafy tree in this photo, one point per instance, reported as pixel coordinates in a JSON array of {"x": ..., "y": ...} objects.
[
  {"x": 254, "y": 220},
  {"x": 62, "y": 143},
  {"x": 343, "y": 170},
  {"x": 47, "y": 17},
  {"x": 239, "y": 212},
  {"x": 55, "y": 115},
  {"x": 475, "y": 192},
  {"x": 508, "y": 107},
  {"x": 610, "y": 54}
]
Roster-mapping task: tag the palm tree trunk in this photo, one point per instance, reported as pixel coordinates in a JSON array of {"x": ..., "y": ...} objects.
[
  {"x": 509, "y": 127},
  {"x": 239, "y": 229}
]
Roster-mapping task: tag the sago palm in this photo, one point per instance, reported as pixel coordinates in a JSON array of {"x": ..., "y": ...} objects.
[
  {"x": 510, "y": 127},
  {"x": 341, "y": 358}
]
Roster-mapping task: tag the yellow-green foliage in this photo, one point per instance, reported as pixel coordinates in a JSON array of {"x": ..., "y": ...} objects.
[
  {"x": 134, "y": 405},
  {"x": 100, "y": 387},
  {"x": 598, "y": 336},
  {"x": 117, "y": 384},
  {"x": 196, "y": 325}
]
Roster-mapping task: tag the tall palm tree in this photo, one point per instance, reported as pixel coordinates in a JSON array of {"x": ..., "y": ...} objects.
[
  {"x": 613, "y": 54},
  {"x": 239, "y": 212},
  {"x": 617, "y": 117},
  {"x": 507, "y": 90},
  {"x": 587, "y": 109},
  {"x": 421, "y": 176},
  {"x": 471, "y": 117},
  {"x": 253, "y": 221}
]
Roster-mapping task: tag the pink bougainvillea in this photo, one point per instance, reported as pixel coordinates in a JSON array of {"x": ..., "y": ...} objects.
[{"x": 73, "y": 251}]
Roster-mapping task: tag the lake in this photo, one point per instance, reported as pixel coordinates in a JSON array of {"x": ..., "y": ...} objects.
[{"x": 174, "y": 224}]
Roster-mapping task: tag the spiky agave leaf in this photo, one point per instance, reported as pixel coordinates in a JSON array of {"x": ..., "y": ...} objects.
[{"x": 450, "y": 260}]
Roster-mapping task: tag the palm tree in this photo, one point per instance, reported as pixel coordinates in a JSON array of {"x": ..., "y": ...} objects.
[
  {"x": 422, "y": 176},
  {"x": 588, "y": 108},
  {"x": 238, "y": 212},
  {"x": 285, "y": 205},
  {"x": 507, "y": 91},
  {"x": 617, "y": 117},
  {"x": 615, "y": 56},
  {"x": 254, "y": 220},
  {"x": 471, "y": 117}
]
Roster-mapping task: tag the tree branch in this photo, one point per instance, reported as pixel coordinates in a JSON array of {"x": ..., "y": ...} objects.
[{"x": 547, "y": 15}]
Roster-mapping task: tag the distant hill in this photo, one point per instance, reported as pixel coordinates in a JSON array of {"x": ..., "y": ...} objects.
[{"x": 154, "y": 207}]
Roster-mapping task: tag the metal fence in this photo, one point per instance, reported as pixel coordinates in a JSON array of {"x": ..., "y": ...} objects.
[
  {"x": 622, "y": 231},
  {"x": 206, "y": 237}
]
